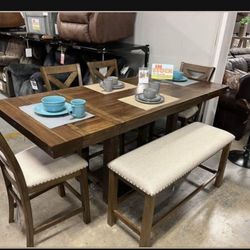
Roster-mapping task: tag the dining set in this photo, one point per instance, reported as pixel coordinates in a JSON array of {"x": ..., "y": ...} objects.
[{"x": 65, "y": 121}]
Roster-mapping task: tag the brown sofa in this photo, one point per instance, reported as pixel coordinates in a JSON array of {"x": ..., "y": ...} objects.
[
  {"x": 233, "y": 110},
  {"x": 11, "y": 19},
  {"x": 95, "y": 27}
]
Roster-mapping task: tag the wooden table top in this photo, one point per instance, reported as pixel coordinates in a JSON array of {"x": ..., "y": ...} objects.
[{"x": 112, "y": 117}]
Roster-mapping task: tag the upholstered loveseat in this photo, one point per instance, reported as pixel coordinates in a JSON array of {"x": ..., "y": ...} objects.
[{"x": 95, "y": 27}]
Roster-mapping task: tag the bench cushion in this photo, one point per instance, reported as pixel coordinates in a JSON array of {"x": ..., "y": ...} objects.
[{"x": 158, "y": 164}]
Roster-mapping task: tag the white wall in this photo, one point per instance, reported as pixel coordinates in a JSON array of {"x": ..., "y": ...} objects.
[
  {"x": 190, "y": 36},
  {"x": 178, "y": 36},
  {"x": 222, "y": 47}
]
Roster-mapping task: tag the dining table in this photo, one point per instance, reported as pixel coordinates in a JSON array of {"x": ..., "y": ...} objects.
[{"x": 114, "y": 114}]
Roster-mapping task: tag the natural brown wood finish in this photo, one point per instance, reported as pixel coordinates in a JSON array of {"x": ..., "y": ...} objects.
[
  {"x": 94, "y": 67},
  {"x": 195, "y": 72},
  {"x": 112, "y": 117},
  {"x": 147, "y": 220},
  {"x": 49, "y": 72},
  {"x": 222, "y": 165},
  {"x": 22, "y": 194},
  {"x": 112, "y": 197}
]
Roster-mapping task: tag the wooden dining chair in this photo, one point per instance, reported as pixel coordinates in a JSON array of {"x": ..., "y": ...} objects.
[
  {"x": 31, "y": 173},
  {"x": 54, "y": 76},
  {"x": 194, "y": 72},
  {"x": 97, "y": 76},
  {"x": 96, "y": 66}
]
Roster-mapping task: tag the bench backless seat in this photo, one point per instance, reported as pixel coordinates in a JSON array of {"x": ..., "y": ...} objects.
[{"x": 154, "y": 166}]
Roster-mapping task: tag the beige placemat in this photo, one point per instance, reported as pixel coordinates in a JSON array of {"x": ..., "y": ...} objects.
[
  {"x": 131, "y": 100},
  {"x": 98, "y": 88}
]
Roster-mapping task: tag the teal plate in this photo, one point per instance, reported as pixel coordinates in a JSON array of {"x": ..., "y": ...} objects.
[
  {"x": 39, "y": 109},
  {"x": 183, "y": 79}
]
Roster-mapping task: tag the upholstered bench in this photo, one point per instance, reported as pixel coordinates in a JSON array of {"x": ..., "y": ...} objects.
[{"x": 151, "y": 168}]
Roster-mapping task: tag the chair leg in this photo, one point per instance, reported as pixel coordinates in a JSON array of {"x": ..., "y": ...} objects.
[
  {"x": 222, "y": 165},
  {"x": 147, "y": 220},
  {"x": 28, "y": 223},
  {"x": 122, "y": 144},
  {"x": 83, "y": 178},
  {"x": 11, "y": 207},
  {"x": 112, "y": 197},
  {"x": 11, "y": 201},
  {"x": 61, "y": 190}
]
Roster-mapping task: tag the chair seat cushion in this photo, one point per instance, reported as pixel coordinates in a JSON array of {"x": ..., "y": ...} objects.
[
  {"x": 188, "y": 113},
  {"x": 158, "y": 164},
  {"x": 38, "y": 167}
]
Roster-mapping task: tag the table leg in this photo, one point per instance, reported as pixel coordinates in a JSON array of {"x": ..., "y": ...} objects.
[
  {"x": 142, "y": 135},
  {"x": 110, "y": 152},
  {"x": 171, "y": 124}
]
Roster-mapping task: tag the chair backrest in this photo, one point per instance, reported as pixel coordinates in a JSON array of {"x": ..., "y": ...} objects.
[
  {"x": 49, "y": 72},
  {"x": 94, "y": 67},
  {"x": 11, "y": 170},
  {"x": 197, "y": 72}
]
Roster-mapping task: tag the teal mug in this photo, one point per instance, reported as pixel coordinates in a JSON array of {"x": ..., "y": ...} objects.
[{"x": 78, "y": 108}]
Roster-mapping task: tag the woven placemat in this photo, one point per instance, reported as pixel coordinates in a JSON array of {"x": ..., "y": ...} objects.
[
  {"x": 98, "y": 88},
  {"x": 131, "y": 100}
]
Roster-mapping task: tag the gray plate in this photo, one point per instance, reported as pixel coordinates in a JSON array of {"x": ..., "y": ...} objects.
[
  {"x": 158, "y": 99},
  {"x": 120, "y": 85}
]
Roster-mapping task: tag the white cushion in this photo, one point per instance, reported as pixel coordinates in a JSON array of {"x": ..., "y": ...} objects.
[
  {"x": 38, "y": 167},
  {"x": 156, "y": 165},
  {"x": 188, "y": 113}
]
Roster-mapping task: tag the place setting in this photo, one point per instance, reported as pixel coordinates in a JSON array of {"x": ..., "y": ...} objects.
[
  {"x": 110, "y": 84},
  {"x": 54, "y": 110},
  {"x": 179, "y": 79},
  {"x": 150, "y": 94}
]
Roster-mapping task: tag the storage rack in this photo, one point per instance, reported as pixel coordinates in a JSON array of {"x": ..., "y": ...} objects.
[{"x": 112, "y": 47}]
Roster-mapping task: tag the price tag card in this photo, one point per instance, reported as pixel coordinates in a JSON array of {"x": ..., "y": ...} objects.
[
  {"x": 162, "y": 71},
  {"x": 33, "y": 84},
  {"x": 28, "y": 52},
  {"x": 62, "y": 57},
  {"x": 1, "y": 85}
]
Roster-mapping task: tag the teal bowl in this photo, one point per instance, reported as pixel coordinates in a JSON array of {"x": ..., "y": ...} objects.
[{"x": 53, "y": 103}]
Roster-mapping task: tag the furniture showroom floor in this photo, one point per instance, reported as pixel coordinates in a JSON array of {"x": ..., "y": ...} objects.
[{"x": 213, "y": 218}]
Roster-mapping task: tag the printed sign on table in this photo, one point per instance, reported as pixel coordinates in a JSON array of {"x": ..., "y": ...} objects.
[{"x": 162, "y": 71}]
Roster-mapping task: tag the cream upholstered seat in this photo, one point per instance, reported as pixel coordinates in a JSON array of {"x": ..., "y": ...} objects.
[
  {"x": 159, "y": 163},
  {"x": 38, "y": 167}
]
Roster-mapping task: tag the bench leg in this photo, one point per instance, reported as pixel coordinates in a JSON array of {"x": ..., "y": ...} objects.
[
  {"x": 222, "y": 165},
  {"x": 112, "y": 197},
  {"x": 147, "y": 220}
]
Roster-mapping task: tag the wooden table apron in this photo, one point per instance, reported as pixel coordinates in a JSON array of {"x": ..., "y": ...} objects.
[{"x": 112, "y": 117}]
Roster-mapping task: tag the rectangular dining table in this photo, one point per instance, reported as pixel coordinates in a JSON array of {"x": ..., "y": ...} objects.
[{"x": 112, "y": 117}]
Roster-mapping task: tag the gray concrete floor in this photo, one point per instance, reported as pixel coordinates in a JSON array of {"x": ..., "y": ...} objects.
[{"x": 214, "y": 218}]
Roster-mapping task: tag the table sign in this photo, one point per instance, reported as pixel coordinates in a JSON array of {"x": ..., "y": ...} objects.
[{"x": 162, "y": 71}]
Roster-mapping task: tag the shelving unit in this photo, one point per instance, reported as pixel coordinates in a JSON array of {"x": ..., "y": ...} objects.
[{"x": 103, "y": 49}]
